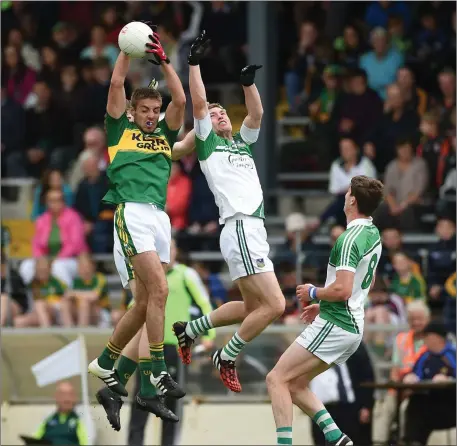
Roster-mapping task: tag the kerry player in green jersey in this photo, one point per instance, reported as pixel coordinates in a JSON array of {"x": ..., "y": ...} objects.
[
  {"x": 140, "y": 162},
  {"x": 336, "y": 323}
]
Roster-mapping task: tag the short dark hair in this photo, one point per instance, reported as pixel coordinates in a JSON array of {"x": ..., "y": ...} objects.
[
  {"x": 144, "y": 93},
  {"x": 368, "y": 192},
  {"x": 359, "y": 72},
  {"x": 404, "y": 141}
]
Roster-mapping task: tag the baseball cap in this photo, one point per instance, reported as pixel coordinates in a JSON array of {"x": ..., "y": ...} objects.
[{"x": 436, "y": 328}]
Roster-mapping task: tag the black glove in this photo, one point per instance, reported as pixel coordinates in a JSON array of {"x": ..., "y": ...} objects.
[
  {"x": 248, "y": 74},
  {"x": 198, "y": 49}
]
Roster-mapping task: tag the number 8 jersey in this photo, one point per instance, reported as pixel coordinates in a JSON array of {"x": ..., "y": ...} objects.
[{"x": 358, "y": 249}]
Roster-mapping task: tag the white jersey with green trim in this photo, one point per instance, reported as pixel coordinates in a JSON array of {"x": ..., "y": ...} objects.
[
  {"x": 230, "y": 170},
  {"x": 358, "y": 250}
]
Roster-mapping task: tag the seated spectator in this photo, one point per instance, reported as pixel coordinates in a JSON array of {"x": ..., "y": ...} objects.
[
  {"x": 19, "y": 79},
  {"x": 59, "y": 234},
  {"x": 65, "y": 36},
  {"x": 430, "y": 43},
  {"x": 449, "y": 296},
  {"x": 14, "y": 301},
  {"x": 391, "y": 244},
  {"x": 178, "y": 194},
  {"x": 13, "y": 141},
  {"x": 397, "y": 35},
  {"x": 383, "y": 309},
  {"x": 288, "y": 282},
  {"x": 51, "y": 180},
  {"x": 382, "y": 63},
  {"x": 87, "y": 301},
  {"x": 415, "y": 98},
  {"x": 441, "y": 257},
  {"x": 50, "y": 73},
  {"x": 94, "y": 140},
  {"x": 433, "y": 148},
  {"x": 321, "y": 109},
  {"x": 379, "y": 12},
  {"x": 112, "y": 24},
  {"x": 397, "y": 122},
  {"x": 349, "y": 47},
  {"x": 47, "y": 143},
  {"x": 213, "y": 282},
  {"x": 297, "y": 223},
  {"x": 70, "y": 94},
  {"x": 349, "y": 165},
  {"x": 444, "y": 103},
  {"x": 302, "y": 63},
  {"x": 434, "y": 409},
  {"x": 406, "y": 284},
  {"x": 99, "y": 47},
  {"x": 64, "y": 426},
  {"x": 360, "y": 110},
  {"x": 447, "y": 188},
  {"x": 407, "y": 348},
  {"x": 96, "y": 93},
  {"x": 405, "y": 184},
  {"x": 29, "y": 54},
  {"x": 47, "y": 292},
  {"x": 97, "y": 216}
]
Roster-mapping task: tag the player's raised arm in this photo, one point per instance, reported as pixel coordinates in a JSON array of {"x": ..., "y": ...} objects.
[
  {"x": 117, "y": 101},
  {"x": 184, "y": 147},
  {"x": 196, "y": 87},
  {"x": 174, "y": 115},
  {"x": 252, "y": 98}
]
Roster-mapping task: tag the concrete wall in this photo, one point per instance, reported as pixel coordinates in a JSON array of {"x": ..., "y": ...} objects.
[{"x": 205, "y": 424}]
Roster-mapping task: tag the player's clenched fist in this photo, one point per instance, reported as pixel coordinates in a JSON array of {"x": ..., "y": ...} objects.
[
  {"x": 198, "y": 49},
  {"x": 303, "y": 292}
]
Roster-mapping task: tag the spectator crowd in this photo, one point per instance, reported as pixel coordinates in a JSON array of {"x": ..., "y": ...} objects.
[{"x": 376, "y": 80}]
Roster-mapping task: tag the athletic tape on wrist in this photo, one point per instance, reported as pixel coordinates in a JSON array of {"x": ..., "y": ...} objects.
[{"x": 313, "y": 293}]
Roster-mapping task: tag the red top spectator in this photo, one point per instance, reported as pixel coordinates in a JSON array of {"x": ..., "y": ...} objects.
[
  {"x": 19, "y": 79},
  {"x": 178, "y": 195}
]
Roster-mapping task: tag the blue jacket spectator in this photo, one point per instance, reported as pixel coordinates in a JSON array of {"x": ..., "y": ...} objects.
[
  {"x": 52, "y": 179},
  {"x": 378, "y": 13},
  {"x": 439, "y": 359},
  {"x": 382, "y": 63}
]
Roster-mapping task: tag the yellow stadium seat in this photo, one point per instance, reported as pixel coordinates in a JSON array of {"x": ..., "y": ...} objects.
[{"x": 21, "y": 232}]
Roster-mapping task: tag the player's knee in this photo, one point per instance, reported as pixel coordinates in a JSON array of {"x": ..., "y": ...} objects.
[
  {"x": 141, "y": 305},
  {"x": 273, "y": 378},
  {"x": 277, "y": 306}
]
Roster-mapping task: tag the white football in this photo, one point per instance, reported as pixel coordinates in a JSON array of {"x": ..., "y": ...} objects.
[{"x": 133, "y": 39}]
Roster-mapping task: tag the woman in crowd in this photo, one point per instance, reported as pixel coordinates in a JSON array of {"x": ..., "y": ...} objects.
[
  {"x": 52, "y": 180},
  {"x": 59, "y": 235}
]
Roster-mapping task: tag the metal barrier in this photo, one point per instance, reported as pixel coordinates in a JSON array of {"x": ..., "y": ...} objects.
[{"x": 21, "y": 348}]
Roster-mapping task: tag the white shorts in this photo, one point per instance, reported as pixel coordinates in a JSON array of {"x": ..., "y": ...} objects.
[
  {"x": 139, "y": 227},
  {"x": 328, "y": 342},
  {"x": 244, "y": 246}
]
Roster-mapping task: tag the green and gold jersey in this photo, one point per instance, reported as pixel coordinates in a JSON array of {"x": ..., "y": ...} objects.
[
  {"x": 52, "y": 291},
  {"x": 140, "y": 163},
  {"x": 98, "y": 284},
  {"x": 410, "y": 288},
  {"x": 358, "y": 249}
]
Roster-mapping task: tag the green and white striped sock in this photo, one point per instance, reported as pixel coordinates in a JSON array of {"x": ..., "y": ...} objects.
[
  {"x": 233, "y": 348},
  {"x": 284, "y": 435},
  {"x": 199, "y": 326},
  {"x": 327, "y": 425}
]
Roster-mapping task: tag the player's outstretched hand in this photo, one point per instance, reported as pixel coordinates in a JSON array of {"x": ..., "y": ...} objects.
[
  {"x": 156, "y": 48},
  {"x": 198, "y": 49},
  {"x": 303, "y": 292},
  {"x": 310, "y": 313},
  {"x": 248, "y": 74}
]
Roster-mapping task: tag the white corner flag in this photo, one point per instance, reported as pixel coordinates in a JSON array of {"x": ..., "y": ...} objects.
[
  {"x": 69, "y": 361},
  {"x": 62, "y": 364}
]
